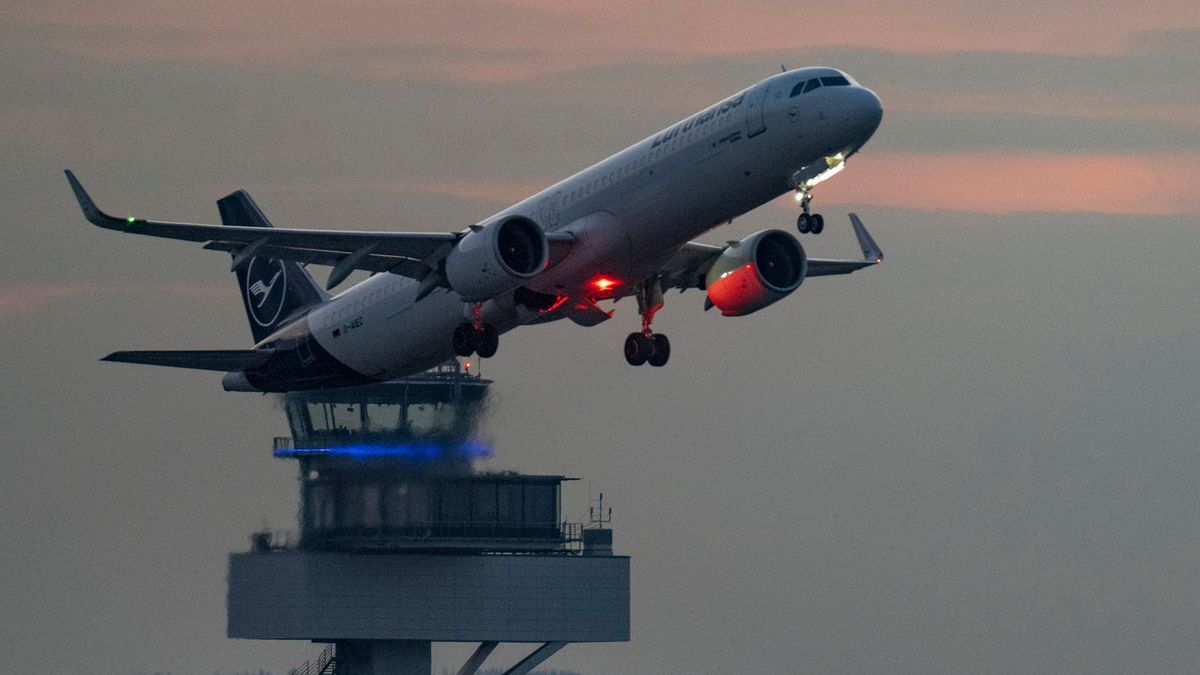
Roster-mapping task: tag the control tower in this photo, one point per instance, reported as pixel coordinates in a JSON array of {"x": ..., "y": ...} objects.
[{"x": 402, "y": 543}]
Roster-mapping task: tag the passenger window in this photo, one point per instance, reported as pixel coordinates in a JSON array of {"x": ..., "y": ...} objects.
[
  {"x": 836, "y": 81},
  {"x": 812, "y": 84}
]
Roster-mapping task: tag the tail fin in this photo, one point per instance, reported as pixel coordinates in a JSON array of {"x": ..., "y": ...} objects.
[{"x": 272, "y": 290}]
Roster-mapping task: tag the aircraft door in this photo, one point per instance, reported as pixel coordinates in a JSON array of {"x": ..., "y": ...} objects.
[{"x": 755, "y": 103}]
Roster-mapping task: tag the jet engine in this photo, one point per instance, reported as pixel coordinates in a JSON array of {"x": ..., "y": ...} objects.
[
  {"x": 496, "y": 258},
  {"x": 756, "y": 272}
]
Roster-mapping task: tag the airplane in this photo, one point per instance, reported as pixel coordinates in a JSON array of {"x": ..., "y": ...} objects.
[{"x": 622, "y": 227}]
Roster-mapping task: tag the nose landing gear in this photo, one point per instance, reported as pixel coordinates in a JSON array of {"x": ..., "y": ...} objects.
[
  {"x": 648, "y": 346},
  {"x": 476, "y": 337},
  {"x": 813, "y": 223}
]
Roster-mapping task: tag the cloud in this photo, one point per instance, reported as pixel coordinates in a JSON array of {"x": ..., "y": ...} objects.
[
  {"x": 949, "y": 130},
  {"x": 1010, "y": 182},
  {"x": 481, "y": 188},
  {"x": 984, "y": 182},
  {"x": 18, "y": 301},
  {"x": 485, "y": 103},
  {"x": 1175, "y": 41},
  {"x": 1141, "y": 85},
  {"x": 276, "y": 34}
]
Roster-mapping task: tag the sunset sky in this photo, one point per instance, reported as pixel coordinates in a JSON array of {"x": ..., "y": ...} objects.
[{"x": 979, "y": 457}]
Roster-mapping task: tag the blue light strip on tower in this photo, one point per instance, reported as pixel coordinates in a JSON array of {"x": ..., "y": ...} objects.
[{"x": 424, "y": 452}]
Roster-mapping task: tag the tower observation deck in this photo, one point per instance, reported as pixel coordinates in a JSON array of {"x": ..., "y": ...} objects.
[{"x": 402, "y": 543}]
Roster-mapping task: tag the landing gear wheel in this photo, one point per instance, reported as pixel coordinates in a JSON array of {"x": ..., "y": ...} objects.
[
  {"x": 816, "y": 223},
  {"x": 808, "y": 221},
  {"x": 489, "y": 341},
  {"x": 804, "y": 223},
  {"x": 662, "y": 350},
  {"x": 466, "y": 339},
  {"x": 637, "y": 349}
]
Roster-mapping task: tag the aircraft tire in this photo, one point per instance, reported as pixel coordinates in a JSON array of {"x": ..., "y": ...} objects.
[
  {"x": 662, "y": 351},
  {"x": 489, "y": 342},
  {"x": 818, "y": 223},
  {"x": 466, "y": 340},
  {"x": 637, "y": 349},
  {"x": 803, "y": 223}
]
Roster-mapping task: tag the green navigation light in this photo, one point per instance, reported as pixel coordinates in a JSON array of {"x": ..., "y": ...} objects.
[{"x": 130, "y": 220}]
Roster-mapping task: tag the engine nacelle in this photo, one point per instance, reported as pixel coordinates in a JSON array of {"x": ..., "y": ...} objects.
[
  {"x": 755, "y": 272},
  {"x": 497, "y": 258}
]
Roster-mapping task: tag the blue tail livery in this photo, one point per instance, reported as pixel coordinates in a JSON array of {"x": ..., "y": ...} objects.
[{"x": 273, "y": 291}]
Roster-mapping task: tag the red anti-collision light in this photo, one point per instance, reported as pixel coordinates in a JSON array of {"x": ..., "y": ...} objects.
[{"x": 604, "y": 283}]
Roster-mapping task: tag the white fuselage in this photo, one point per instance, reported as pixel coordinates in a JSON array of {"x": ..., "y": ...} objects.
[{"x": 627, "y": 214}]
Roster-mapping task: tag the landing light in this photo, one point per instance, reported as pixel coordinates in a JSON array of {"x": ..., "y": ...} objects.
[
  {"x": 604, "y": 284},
  {"x": 833, "y": 165}
]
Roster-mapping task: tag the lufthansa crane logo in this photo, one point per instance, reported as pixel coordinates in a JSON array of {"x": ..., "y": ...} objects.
[{"x": 266, "y": 286}]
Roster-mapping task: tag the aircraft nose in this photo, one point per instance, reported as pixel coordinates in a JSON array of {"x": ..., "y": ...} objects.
[{"x": 867, "y": 112}]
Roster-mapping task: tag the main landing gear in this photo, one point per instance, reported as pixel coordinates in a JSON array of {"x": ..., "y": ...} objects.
[
  {"x": 476, "y": 337},
  {"x": 648, "y": 346},
  {"x": 808, "y": 222}
]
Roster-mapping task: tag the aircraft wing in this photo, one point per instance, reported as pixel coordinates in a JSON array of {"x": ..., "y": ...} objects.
[
  {"x": 411, "y": 254},
  {"x": 872, "y": 255},
  {"x": 691, "y": 263}
]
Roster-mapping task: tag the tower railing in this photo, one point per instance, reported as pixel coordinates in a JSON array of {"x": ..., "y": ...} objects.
[
  {"x": 323, "y": 664},
  {"x": 563, "y": 538}
]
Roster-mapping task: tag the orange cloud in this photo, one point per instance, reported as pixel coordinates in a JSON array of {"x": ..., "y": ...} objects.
[
  {"x": 499, "y": 190},
  {"x": 523, "y": 38},
  {"x": 985, "y": 182},
  {"x": 1079, "y": 105},
  {"x": 19, "y": 300},
  {"x": 23, "y": 299},
  {"x": 1022, "y": 181}
]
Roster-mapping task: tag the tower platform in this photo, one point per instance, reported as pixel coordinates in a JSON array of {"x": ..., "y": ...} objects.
[{"x": 303, "y": 595}]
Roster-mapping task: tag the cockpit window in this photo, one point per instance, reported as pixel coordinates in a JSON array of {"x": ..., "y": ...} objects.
[{"x": 808, "y": 85}]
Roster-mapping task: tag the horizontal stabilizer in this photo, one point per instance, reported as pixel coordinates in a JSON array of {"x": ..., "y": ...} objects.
[{"x": 200, "y": 359}]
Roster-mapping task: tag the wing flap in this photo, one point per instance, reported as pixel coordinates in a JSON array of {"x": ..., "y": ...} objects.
[{"x": 199, "y": 359}]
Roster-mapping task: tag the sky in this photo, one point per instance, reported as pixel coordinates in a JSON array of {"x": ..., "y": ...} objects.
[{"x": 977, "y": 457}]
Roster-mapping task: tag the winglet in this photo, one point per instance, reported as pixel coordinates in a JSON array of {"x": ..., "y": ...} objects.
[
  {"x": 90, "y": 210},
  {"x": 870, "y": 249}
]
